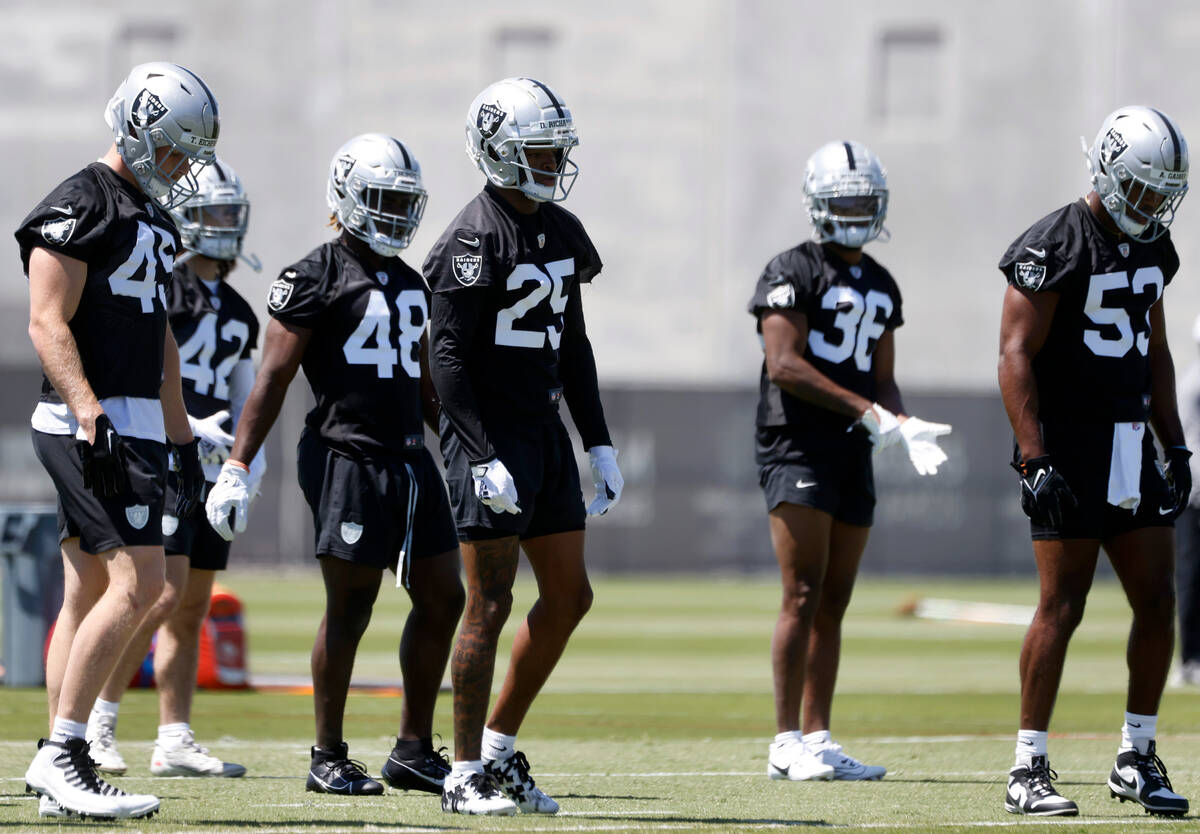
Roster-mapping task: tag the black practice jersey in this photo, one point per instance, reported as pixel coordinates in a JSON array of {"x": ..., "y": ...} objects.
[
  {"x": 129, "y": 246},
  {"x": 515, "y": 278},
  {"x": 848, "y": 308},
  {"x": 215, "y": 331},
  {"x": 363, "y": 357},
  {"x": 1095, "y": 361}
]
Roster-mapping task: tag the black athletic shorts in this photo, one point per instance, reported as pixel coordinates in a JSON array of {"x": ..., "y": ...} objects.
[
  {"x": 1082, "y": 453},
  {"x": 368, "y": 511},
  {"x": 831, "y": 473},
  {"x": 132, "y": 519},
  {"x": 541, "y": 460},
  {"x": 193, "y": 536}
]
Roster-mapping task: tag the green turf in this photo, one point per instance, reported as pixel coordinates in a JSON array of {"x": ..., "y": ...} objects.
[{"x": 658, "y": 718}]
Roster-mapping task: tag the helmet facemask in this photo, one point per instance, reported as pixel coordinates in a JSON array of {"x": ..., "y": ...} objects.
[
  {"x": 214, "y": 229},
  {"x": 850, "y": 220},
  {"x": 385, "y": 217},
  {"x": 375, "y": 192}
]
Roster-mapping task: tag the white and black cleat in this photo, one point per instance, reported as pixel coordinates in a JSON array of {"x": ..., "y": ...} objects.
[
  {"x": 512, "y": 774},
  {"x": 1031, "y": 791},
  {"x": 846, "y": 768},
  {"x": 793, "y": 761},
  {"x": 476, "y": 793},
  {"x": 66, "y": 775},
  {"x": 1142, "y": 778}
]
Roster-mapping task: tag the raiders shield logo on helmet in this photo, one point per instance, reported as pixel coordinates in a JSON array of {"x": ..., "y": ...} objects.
[
  {"x": 58, "y": 231},
  {"x": 466, "y": 268},
  {"x": 280, "y": 294},
  {"x": 147, "y": 109},
  {"x": 1030, "y": 275},
  {"x": 341, "y": 169},
  {"x": 489, "y": 120},
  {"x": 1114, "y": 144}
]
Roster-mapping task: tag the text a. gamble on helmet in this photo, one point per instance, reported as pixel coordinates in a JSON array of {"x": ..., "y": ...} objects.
[
  {"x": 213, "y": 222},
  {"x": 511, "y": 117},
  {"x": 375, "y": 191},
  {"x": 1139, "y": 150},
  {"x": 845, "y": 190},
  {"x": 165, "y": 125}
]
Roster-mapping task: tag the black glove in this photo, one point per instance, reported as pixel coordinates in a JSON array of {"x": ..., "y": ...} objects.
[
  {"x": 104, "y": 461},
  {"x": 1045, "y": 496},
  {"x": 190, "y": 478},
  {"x": 1179, "y": 477}
]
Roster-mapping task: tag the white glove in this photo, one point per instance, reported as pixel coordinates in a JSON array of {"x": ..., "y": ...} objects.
[
  {"x": 606, "y": 477},
  {"x": 495, "y": 487},
  {"x": 920, "y": 441},
  {"x": 229, "y": 501},
  {"x": 215, "y": 442},
  {"x": 882, "y": 425}
]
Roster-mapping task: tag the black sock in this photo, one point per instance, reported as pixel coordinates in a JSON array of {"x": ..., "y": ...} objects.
[{"x": 411, "y": 748}]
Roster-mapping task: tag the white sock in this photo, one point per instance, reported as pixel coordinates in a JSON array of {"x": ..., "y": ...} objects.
[
  {"x": 497, "y": 745},
  {"x": 817, "y": 740},
  {"x": 103, "y": 707},
  {"x": 1138, "y": 731},
  {"x": 1030, "y": 743},
  {"x": 789, "y": 737},
  {"x": 460, "y": 770},
  {"x": 66, "y": 729},
  {"x": 173, "y": 732}
]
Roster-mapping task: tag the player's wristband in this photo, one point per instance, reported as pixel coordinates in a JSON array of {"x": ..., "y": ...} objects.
[{"x": 237, "y": 463}]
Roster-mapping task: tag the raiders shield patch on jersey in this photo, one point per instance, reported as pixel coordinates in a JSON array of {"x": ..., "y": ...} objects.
[
  {"x": 1030, "y": 275},
  {"x": 280, "y": 294},
  {"x": 782, "y": 297},
  {"x": 489, "y": 120},
  {"x": 59, "y": 230},
  {"x": 147, "y": 109},
  {"x": 466, "y": 268}
]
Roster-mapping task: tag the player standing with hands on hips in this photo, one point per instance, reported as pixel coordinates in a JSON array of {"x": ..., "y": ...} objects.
[
  {"x": 827, "y": 313},
  {"x": 509, "y": 343},
  {"x": 1084, "y": 366}
]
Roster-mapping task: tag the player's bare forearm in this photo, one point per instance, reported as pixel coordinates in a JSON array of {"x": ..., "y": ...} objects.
[
  {"x": 1164, "y": 407},
  {"x": 1024, "y": 326},
  {"x": 170, "y": 395},
  {"x": 785, "y": 338},
  {"x": 55, "y": 287},
  {"x": 883, "y": 363},
  {"x": 283, "y": 349},
  {"x": 491, "y": 568}
]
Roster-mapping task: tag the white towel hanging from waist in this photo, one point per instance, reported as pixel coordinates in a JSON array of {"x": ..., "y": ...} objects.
[{"x": 1125, "y": 470}]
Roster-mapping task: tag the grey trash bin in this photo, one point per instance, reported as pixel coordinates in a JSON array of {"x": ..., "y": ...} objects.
[{"x": 31, "y": 573}]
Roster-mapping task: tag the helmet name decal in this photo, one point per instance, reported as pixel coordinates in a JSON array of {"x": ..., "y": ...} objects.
[
  {"x": 147, "y": 109},
  {"x": 489, "y": 120}
]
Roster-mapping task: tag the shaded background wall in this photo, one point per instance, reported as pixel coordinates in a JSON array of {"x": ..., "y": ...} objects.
[{"x": 696, "y": 119}]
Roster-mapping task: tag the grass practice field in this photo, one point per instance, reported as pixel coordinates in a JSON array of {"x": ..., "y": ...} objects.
[{"x": 659, "y": 716}]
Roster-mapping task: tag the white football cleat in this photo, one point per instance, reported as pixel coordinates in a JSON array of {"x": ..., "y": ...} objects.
[
  {"x": 475, "y": 793},
  {"x": 845, "y": 767},
  {"x": 187, "y": 758},
  {"x": 101, "y": 735},
  {"x": 65, "y": 773},
  {"x": 791, "y": 760},
  {"x": 512, "y": 774}
]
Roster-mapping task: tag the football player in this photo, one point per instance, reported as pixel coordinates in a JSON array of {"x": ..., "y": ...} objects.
[
  {"x": 827, "y": 313},
  {"x": 353, "y": 315},
  {"x": 216, "y": 330},
  {"x": 509, "y": 344},
  {"x": 98, "y": 251},
  {"x": 1084, "y": 365}
]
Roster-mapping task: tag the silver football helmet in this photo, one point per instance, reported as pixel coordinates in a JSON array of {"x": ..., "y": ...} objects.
[
  {"x": 1139, "y": 167},
  {"x": 213, "y": 222},
  {"x": 512, "y": 116},
  {"x": 375, "y": 192},
  {"x": 845, "y": 190},
  {"x": 165, "y": 125}
]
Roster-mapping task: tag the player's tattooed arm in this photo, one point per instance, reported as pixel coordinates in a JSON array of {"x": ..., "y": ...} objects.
[
  {"x": 785, "y": 337},
  {"x": 1024, "y": 325},
  {"x": 491, "y": 568},
  {"x": 283, "y": 348},
  {"x": 55, "y": 288},
  {"x": 1164, "y": 407}
]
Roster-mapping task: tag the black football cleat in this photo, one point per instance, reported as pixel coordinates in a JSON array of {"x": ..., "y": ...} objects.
[
  {"x": 1142, "y": 778},
  {"x": 332, "y": 772},
  {"x": 425, "y": 772}
]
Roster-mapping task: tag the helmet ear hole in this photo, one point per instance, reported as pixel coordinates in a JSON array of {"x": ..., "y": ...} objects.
[{"x": 491, "y": 152}]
